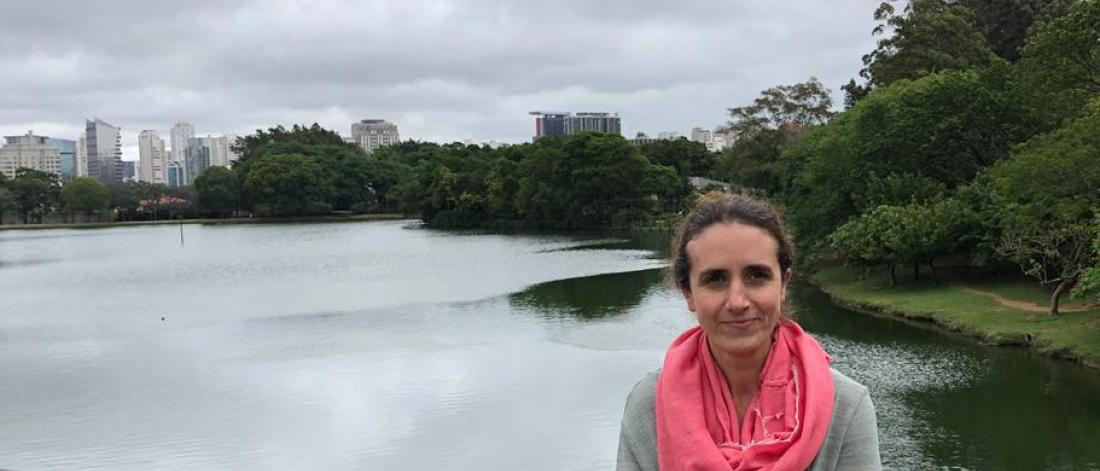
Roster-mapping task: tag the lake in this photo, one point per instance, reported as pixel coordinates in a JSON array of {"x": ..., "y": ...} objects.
[{"x": 385, "y": 345}]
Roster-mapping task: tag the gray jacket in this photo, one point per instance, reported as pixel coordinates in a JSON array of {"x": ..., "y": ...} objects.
[{"x": 850, "y": 444}]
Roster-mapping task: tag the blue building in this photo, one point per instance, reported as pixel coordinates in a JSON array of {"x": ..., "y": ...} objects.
[{"x": 67, "y": 148}]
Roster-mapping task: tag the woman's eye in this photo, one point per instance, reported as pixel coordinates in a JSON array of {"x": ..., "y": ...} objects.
[
  {"x": 714, "y": 279},
  {"x": 759, "y": 276}
]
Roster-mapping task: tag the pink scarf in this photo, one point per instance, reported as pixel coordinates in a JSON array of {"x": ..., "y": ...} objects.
[{"x": 784, "y": 426}]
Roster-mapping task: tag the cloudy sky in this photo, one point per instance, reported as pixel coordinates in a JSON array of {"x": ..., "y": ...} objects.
[{"x": 442, "y": 70}]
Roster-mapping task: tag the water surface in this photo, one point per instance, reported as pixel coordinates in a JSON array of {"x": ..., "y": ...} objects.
[{"x": 384, "y": 345}]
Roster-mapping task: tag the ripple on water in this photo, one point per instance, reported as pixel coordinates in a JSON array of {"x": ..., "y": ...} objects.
[{"x": 892, "y": 371}]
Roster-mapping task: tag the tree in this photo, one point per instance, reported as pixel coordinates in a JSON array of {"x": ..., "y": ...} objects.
[
  {"x": 6, "y": 199},
  {"x": 754, "y": 161},
  {"x": 1006, "y": 23},
  {"x": 1061, "y": 63},
  {"x": 251, "y": 146},
  {"x": 34, "y": 193},
  {"x": 129, "y": 198},
  {"x": 688, "y": 158},
  {"x": 1047, "y": 195},
  {"x": 85, "y": 195},
  {"x": 1089, "y": 284},
  {"x": 784, "y": 107},
  {"x": 1053, "y": 254},
  {"x": 926, "y": 37},
  {"x": 940, "y": 130},
  {"x": 862, "y": 241},
  {"x": 219, "y": 190},
  {"x": 287, "y": 185}
]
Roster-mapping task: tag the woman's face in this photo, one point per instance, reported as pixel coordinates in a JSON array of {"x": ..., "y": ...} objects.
[{"x": 737, "y": 288}]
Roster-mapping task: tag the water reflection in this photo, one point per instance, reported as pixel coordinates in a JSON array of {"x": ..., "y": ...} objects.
[{"x": 591, "y": 297}]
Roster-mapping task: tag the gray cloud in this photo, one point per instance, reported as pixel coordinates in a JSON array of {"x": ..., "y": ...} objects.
[{"x": 442, "y": 70}]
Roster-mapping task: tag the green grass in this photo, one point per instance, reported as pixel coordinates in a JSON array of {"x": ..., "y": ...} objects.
[{"x": 1070, "y": 335}]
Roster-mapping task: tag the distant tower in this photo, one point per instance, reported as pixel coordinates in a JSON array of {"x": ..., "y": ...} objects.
[
  {"x": 104, "y": 146},
  {"x": 564, "y": 123},
  {"x": 151, "y": 157},
  {"x": 371, "y": 134},
  {"x": 181, "y": 132}
]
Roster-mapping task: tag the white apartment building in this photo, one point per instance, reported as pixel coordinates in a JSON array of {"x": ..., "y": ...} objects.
[
  {"x": 82, "y": 155},
  {"x": 371, "y": 134},
  {"x": 29, "y": 151},
  {"x": 181, "y": 132},
  {"x": 151, "y": 157}
]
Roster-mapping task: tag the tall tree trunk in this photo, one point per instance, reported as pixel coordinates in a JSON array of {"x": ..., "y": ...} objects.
[
  {"x": 1063, "y": 288},
  {"x": 916, "y": 270},
  {"x": 932, "y": 267},
  {"x": 893, "y": 274}
]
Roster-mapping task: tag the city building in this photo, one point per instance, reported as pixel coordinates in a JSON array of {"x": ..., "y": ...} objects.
[
  {"x": 222, "y": 154},
  {"x": 174, "y": 174},
  {"x": 29, "y": 151},
  {"x": 181, "y": 132},
  {"x": 714, "y": 140},
  {"x": 564, "y": 123},
  {"x": 82, "y": 155},
  {"x": 129, "y": 170},
  {"x": 104, "y": 152},
  {"x": 67, "y": 150},
  {"x": 642, "y": 139},
  {"x": 371, "y": 134},
  {"x": 197, "y": 158},
  {"x": 151, "y": 157},
  {"x": 701, "y": 135},
  {"x": 668, "y": 135}
]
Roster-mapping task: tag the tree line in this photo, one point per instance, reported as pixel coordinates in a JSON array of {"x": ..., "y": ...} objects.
[{"x": 973, "y": 136}]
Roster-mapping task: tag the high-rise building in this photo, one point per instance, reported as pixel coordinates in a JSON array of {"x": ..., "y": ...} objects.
[
  {"x": 712, "y": 139},
  {"x": 371, "y": 134},
  {"x": 181, "y": 132},
  {"x": 701, "y": 135},
  {"x": 82, "y": 155},
  {"x": 67, "y": 150},
  {"x": 129, "y": 170},
  {"x": 174, "y": 174},
  {"x": 104, "y": 144},
  {"x": 198, "y": 151},
  {"x": 151, "y": 157},
  {"x": 29, "y": 151},
  {"x": 564, "y": 123}
]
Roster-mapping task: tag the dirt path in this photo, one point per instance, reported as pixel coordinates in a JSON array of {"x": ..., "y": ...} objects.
[{"x": 1022, "y": 305}]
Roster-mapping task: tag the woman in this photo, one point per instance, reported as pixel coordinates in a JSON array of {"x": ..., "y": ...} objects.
[{"x": 747, "y": 389}]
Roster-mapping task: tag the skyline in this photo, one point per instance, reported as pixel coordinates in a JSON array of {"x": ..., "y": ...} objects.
[{"x": 441, "y": 71}]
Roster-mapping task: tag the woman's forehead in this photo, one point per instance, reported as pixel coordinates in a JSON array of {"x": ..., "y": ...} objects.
[{"x": 733, "y": 242}]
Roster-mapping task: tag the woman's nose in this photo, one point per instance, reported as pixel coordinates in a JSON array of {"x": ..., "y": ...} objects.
[{"x": 736, "y": 297}]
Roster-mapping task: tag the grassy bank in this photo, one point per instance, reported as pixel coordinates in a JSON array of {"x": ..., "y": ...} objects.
[
  {"x": 971, "y": 307},
  {"x": 310, "y": 219}
]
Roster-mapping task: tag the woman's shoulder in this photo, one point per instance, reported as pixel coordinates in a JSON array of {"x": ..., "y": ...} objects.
[
  {"x": 641, "y": 403},
  {"x": 849, "y": 393}
]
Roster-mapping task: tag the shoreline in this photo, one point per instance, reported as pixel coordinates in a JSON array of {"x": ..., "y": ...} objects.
[
  {"x": 1071, "y": 336},
  {"x": 209, "y": 221}
]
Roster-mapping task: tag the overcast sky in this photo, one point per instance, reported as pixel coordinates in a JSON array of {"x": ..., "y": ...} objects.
[{"x": 442, "y": 70}]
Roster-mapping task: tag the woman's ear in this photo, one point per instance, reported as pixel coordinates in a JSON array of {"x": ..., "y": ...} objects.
[
  {"x": 786, "y": 282},
  {"x": 687, "y": 297}
]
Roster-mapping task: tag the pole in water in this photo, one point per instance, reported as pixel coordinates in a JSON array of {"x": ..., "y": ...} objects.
[{"x": 181, "y": 233}]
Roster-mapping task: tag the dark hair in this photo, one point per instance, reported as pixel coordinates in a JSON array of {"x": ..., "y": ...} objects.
[{"x": 718, "y": 207}]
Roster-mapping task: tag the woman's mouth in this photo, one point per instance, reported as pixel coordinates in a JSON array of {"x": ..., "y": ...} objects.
[{"x": 740, "y": 324}]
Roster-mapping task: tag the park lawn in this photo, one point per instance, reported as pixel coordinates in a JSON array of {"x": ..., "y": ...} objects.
[{"x": 1070, "y": 335}]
